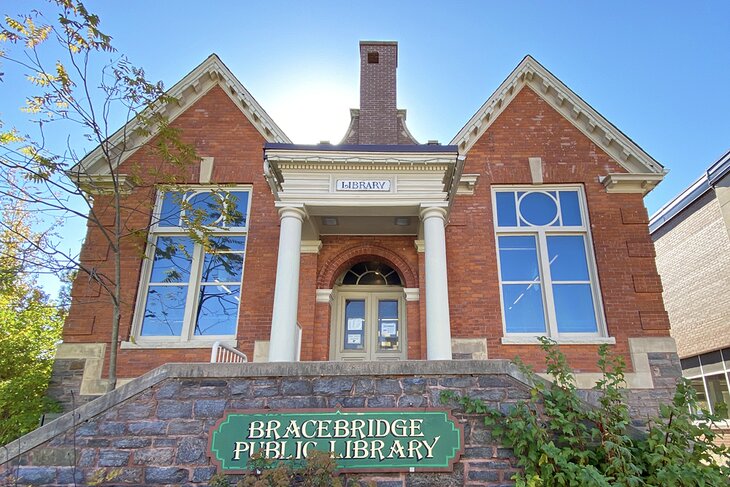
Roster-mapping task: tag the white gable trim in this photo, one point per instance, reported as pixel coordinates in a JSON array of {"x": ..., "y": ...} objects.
[
  {"x": 532, "y": 74},
  {"x": 209, "y": 74}
]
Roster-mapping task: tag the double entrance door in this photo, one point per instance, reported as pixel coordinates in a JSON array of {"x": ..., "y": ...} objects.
[{"x": 368, "y": 325}]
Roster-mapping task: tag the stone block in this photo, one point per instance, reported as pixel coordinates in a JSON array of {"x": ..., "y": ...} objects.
[
  {"x": 209, "y": 408},
  {"x": 165, "y": 475},
  {"x": 169, "y": 390},
  {"x": 131, "y": 443},
  {"x": 191, "y": 450},
  {"x": 113, "y": 428},
  {"x": 203, "y": 474},
  {"x": 388, "y": 386},
  {"x": 36, "y": 475},
  {"x": 483, "y": 475},
  {"x": 136, "y": 411},
  {"x": 153, "y": 456},
  {"x": 240, "y": 388},
  {"x": 147, "y": 427},
  {"x": 70, "y": 476},
  {"x": 113, "y": 458},
  {"x": 413, "y": 385},
  {"x": 291, "y": 387},
  {"x": 411, "y": 401},
  {"x": 247, "y": 403},
  {"x": 381, "y": 402},
  {"x": 333, "y": 386},
  {"x": 458, "y": 382},
  {"x": 184, "y": 427},
  {"x": 174, "y": 409},
  {"x": 364, "y": 386},
  {"x": 297, "y": 402},
  {"x": 346, "y": 401}
]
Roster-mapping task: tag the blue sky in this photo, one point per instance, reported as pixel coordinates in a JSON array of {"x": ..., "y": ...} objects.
[{"x": 657, "y": 70}]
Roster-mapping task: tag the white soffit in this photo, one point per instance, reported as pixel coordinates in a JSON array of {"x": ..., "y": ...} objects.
[
  {"x": 602, "y": 132},
  {"x": 209, "y": 74}
]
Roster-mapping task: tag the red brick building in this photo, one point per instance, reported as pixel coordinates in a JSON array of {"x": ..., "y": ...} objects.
[{"x": 529, "y": 223}]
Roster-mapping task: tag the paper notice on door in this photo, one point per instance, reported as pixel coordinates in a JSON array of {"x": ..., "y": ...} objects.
[
  {"x": 354, "y": 324},
  {"x": 388, "y": 328},
  {"x": 354, "y": 339}
]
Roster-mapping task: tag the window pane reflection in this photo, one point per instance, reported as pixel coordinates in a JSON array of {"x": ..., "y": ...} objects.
[
  {"x": 518, "y": 258},
  {"x": 567, "y": 256},
  {"x": 217, "y": 310},
  {"x": 523, "y": 310},
  {"x": 164, "y": 311},
  {"x": 574, "y": 308},
  {"x": 172, "y": 259}
]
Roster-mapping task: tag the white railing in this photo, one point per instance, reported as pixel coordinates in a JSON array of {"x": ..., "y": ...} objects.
[{"x": 222, "y": 353}]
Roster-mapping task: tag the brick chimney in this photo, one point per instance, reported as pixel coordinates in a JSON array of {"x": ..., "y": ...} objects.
[{"x": 378, "y": 121}]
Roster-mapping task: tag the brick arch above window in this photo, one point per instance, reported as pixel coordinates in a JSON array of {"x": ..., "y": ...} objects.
[{"x": 361, "y": 253}]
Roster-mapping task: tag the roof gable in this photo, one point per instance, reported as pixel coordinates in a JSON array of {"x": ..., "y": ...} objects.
[
  {"x": 209, "y": 74},
  {"x": 530, "y": 73}
]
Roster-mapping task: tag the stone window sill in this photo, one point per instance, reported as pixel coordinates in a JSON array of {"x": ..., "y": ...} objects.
[
  {"x": 532, "y": 340},
  {"x": 161, "y": 344}
]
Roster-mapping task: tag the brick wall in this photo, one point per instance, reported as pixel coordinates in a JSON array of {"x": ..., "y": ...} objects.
[
  {"x": 217, "y": 128},
  {"x": 529, "y": 127},
  {"x": 693, "y": 258}
]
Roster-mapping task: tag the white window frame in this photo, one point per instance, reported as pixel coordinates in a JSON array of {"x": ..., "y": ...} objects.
[
  {"x": 187, "y": 337},
  {"x": 704, "y": 375},
  {"x": 546, "y": 283}
]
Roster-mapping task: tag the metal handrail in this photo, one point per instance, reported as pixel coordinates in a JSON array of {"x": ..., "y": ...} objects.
[{"x": 222, "y": 353}]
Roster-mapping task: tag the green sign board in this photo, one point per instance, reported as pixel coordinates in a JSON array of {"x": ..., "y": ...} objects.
[{"x": 361, "y": 440}]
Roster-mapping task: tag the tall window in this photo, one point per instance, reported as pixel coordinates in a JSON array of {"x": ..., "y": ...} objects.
[
  {"x": 546, "y": 267},
  {"x": 192, "y": 278},
  {"x": 709, "y": 376}
]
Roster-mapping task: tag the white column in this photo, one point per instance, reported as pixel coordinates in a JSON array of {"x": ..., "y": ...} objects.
[
  {"x": 438, "y": 326},
  {"x": 282, "y": 347}
]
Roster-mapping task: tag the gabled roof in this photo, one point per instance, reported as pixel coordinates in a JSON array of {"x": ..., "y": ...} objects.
[
  {"x": 602, "y": 132},
  {"x": 210, "y": 73},
  {"x": 692, "y": 193}
]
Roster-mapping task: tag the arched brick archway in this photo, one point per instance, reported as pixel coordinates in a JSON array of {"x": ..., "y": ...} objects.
[{"x": 360, "y": 253}]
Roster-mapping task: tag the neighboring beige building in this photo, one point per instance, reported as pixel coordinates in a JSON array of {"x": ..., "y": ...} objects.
[{"x": 691, "y": 235}]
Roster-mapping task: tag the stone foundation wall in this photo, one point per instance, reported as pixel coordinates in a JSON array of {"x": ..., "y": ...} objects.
[
  {"x": 65, "y": 383},
  {"x": 154, "y": 430}
]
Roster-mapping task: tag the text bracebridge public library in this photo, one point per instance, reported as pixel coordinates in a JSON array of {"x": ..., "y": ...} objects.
[{"x": 358, "y": 439}]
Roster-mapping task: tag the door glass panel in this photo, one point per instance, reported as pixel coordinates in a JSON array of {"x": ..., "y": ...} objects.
[
  {"x": 354, "y": 324},
  {"x": 388, "y": 329}
]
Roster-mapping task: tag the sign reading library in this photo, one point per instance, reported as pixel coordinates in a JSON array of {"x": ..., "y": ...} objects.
[
  {"x": 363, "y": 185},
  {"x": 359, "y": 440}
]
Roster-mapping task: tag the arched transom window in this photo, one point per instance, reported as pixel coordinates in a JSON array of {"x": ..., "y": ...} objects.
[{"x": 371, "y": 273}]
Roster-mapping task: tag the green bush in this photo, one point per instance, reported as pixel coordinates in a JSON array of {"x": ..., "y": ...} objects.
[{"x": 558, "y": 440}]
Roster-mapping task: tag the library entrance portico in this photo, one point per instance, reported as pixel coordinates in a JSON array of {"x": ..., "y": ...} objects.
[
  {"x": 333, "y": 199},
  {"x": 368, "y": 315}
]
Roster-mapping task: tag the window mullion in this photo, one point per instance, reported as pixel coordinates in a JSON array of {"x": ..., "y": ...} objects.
[
  {"x": 193, "y": 292},
  {"x": 547, "y": 284}
]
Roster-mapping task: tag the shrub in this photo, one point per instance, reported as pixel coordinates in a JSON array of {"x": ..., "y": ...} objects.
[{"x": 559, "y": 440}]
